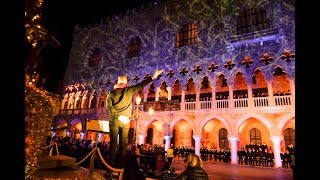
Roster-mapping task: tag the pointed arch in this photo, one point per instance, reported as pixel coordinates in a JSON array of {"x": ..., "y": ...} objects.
[
  {"x": 260, "y": 118},
  {"x": 285, "y": 119},
  {"x": 216, "y": 117}
]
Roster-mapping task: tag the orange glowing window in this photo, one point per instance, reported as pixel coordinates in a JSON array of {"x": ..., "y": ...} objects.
[{"x": 187, "y": 35}]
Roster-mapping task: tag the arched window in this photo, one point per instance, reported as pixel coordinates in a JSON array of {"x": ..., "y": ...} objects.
[
  {"x": 176, "y": 91},
  {"x": 149, "y": 136},
  {"x": 151, "y": 93},
  {"x": 95, "y": 58},
  {"x": 251, "y": 20},
  {"x": 255, "y": 136},
  {"x": 289, "y": 137},
  {"x": 187, "y": 35},
  {"x": 134, "y": 48},
  {"x": 205, "y": 91},
  {"x": 93, "y": 100},
  {"x": 163, "y": 94},
  {"x": 223, "y": 139}
]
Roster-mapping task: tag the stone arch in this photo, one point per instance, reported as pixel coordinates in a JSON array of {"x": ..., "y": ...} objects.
[
  {"x": 148, "y": 123},
  {"x": 182, "y": 117},
  {"x": 217, "y": 117},
  {"x": 285, "y": 119},
  {"x": 260, "y": 118}
]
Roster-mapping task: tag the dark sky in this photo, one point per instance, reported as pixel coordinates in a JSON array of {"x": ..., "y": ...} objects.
[{"x": 60, "y": 17}]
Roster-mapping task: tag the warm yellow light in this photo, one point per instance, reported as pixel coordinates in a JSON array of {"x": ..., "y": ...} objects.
[
  {"x": 138, "y": 100},
  {"x": 151, "y": 111},
  {"x": 34, "y": 44}
]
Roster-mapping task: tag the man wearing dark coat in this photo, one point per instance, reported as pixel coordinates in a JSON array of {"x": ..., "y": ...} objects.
[{"x": 119, "y": 106}]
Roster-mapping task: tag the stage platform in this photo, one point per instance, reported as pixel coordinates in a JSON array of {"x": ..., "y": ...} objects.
[
  {"x": 64, "y": 173},
  {"x": 56, "y": 161}
]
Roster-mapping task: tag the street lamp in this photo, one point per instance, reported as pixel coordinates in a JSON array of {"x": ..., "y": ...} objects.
[
  {"x": 137, "y": 115},
  {"x": 138, "y": 101}
]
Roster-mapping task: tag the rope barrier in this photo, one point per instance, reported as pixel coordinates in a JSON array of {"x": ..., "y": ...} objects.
[
  {"x": 52, "y": 144},
  {"x": 120, "y": 171},
  {"x": 86, "y": 157}
]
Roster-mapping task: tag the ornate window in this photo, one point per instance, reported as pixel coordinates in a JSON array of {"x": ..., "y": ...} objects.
[
  {"x": 95, "y": 57},
  {"x": 187, "y": 35},
  {"x": 134, "y": 48},
  {"x": 289, "y": 136},
  {"x": 251, "y": 20},
  {"x": 223, "y": 139},
  {"x": 255, "y": 136}
]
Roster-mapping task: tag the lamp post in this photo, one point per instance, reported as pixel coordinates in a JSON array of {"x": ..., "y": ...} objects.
[
  {"x": 136, "y": 117},
  {"x": 138, "y": 101}
]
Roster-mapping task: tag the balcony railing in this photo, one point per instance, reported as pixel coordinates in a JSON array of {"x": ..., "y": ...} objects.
[
  {"x": 282, "y": 100},
  {"x": 260, "y": 101},
  {"x": 175, "y": 105},
  {"x": 190, "y": 105},
  {"x": 221, "y": 104},
  {"x": 241, "y": 103},
  {"x": 172, "y": 105}
]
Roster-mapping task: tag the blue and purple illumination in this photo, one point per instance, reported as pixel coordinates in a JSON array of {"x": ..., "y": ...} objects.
[{"x": 157, "y": 27}]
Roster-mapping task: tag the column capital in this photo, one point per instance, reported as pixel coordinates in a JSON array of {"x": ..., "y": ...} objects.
[
  {"x": 233, "y": 138},
  {"x": 167, "y": 137},
  {"x": 275, "y": 139},
  {"x": 197, "y": 137}
]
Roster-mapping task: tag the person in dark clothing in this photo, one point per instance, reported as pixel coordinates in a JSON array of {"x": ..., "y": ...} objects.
[
  {"x": 132, "y": 169},
  {"x": 160, "y": 165},
  {"x": 194, "y": 170},
  {"x": 119, "y": 106}
]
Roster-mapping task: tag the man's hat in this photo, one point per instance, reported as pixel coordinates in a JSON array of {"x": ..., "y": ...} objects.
[{"x": 122, "y": 79}]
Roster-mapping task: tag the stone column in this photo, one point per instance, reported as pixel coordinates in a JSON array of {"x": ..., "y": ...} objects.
[
  {"x": 157, "y": 93},
  {"x": 97, "y": 101},
  {"x": 250, "y": 99},
  {"x": 169, "y": 89},
  {"x": 276, "y": 150},
  {"x": 213, "y": 99},
  {"x": 231, "y": 103},
  {"x": 197, "y": 139},
  {"x": 270, "y": 93},
  {"x": 233, "y": 141},
  {"x": 183, "y": 99},
  {"x": 90, "y": 99},
  {"x": 145, "y": 94},
  {"x": 141, "y": 138},
  {"x": 167, "y": 145},
  {"x": 82, "y": 135},
  {"x": 292, "y": 90},
  {"x": 198, "y": 97}
]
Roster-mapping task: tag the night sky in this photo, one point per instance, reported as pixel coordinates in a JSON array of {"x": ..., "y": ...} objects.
[{"x": 60, "y": 17}]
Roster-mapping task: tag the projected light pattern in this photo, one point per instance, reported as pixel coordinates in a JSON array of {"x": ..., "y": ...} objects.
[{"x": 157, "y": 27}]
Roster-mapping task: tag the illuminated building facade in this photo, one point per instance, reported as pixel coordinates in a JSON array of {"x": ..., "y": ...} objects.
[{"x": 229, "y": 75}]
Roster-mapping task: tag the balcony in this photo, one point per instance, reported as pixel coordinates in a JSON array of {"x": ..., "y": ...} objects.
[{"x": 175, "y": 105}]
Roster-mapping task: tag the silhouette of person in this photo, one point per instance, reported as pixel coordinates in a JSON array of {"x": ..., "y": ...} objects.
[{"x": 119, "y": 106}]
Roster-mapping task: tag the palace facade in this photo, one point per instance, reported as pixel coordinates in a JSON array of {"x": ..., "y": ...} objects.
[{"x": 229, "y": 76}]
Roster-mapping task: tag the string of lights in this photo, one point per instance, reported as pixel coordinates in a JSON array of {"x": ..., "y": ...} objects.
[{"x": 38, "y": 118}]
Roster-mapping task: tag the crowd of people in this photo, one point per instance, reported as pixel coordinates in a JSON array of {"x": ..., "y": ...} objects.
[{"x": 153, "y": 160}]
